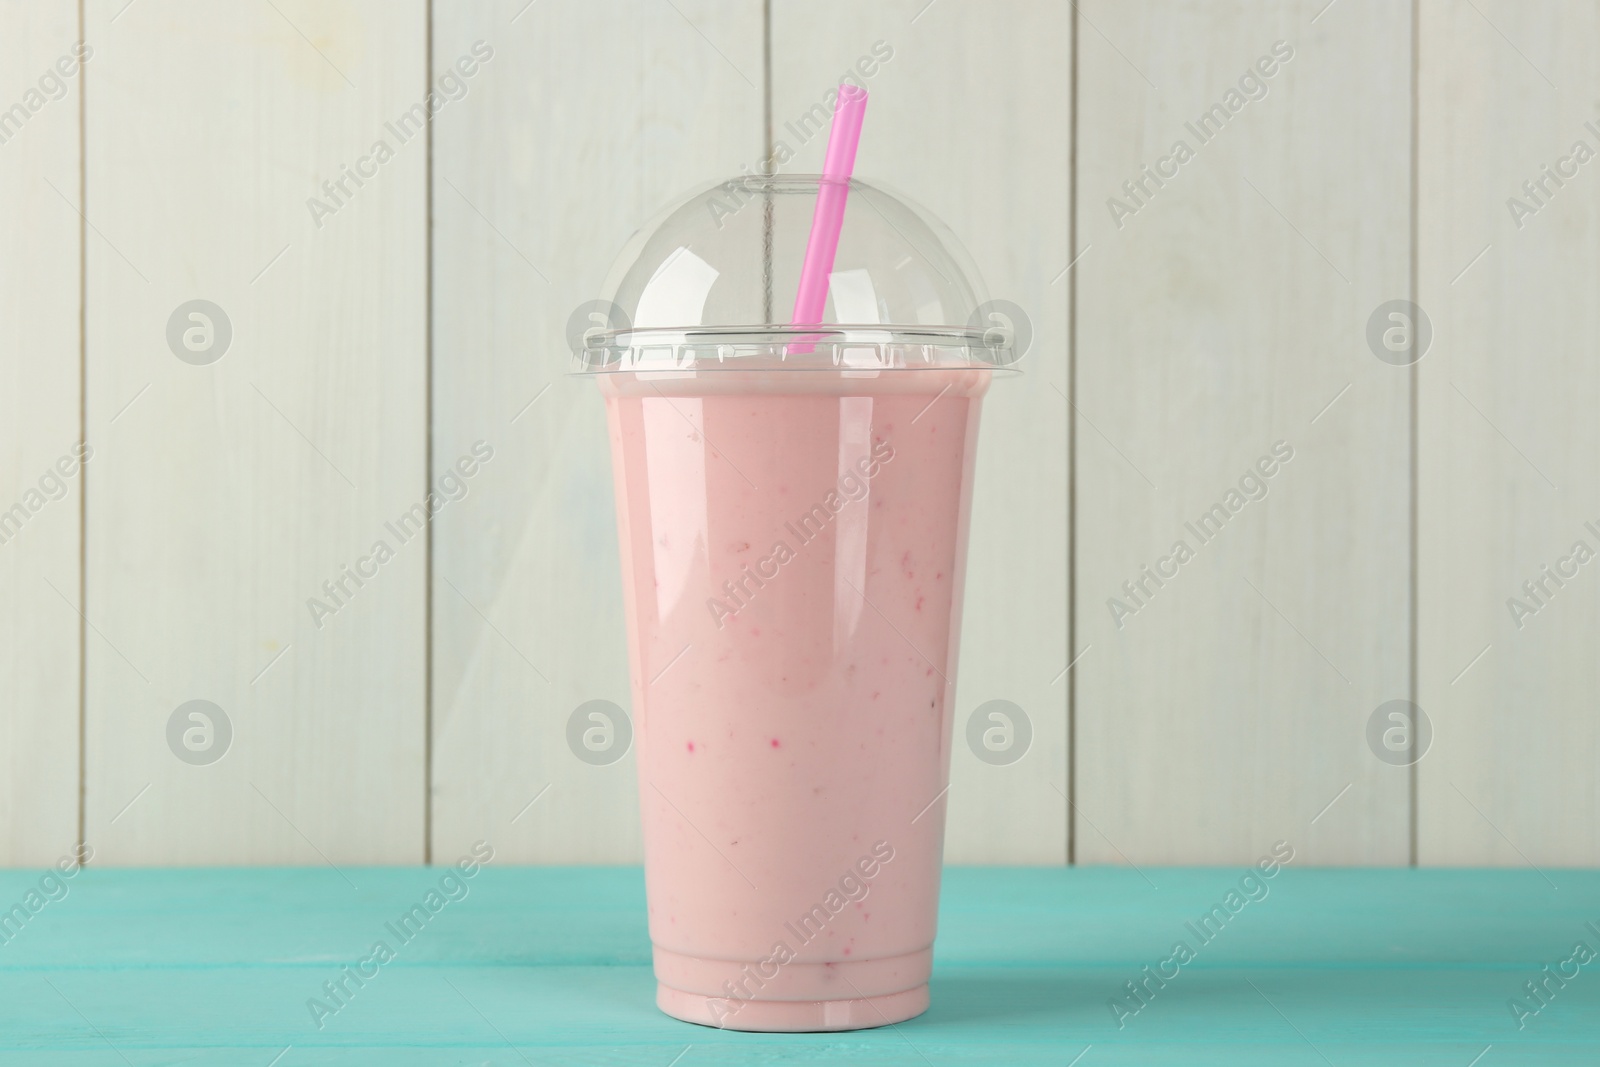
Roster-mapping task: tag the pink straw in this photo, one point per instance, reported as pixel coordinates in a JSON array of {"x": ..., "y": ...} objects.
[{"x": 812, "y": 297}]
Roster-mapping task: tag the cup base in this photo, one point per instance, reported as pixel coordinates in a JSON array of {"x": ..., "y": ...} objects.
[{"x": 792, "y": 1016}]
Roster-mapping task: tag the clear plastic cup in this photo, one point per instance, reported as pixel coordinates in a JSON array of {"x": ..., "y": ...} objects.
[{"x": 792, "y": 509}]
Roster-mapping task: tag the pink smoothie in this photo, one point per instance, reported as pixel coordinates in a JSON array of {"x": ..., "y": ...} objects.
[{"x": 793, "y": 547}]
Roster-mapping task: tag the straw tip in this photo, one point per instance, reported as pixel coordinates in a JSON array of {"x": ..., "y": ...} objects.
[{"x": 851, "y": 91}]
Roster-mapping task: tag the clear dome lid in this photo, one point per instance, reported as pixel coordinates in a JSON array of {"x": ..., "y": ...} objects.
[{"x": 711, "y": 285}]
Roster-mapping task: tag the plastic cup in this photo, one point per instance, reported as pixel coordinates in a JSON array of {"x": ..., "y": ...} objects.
[{"x": 793, "y": 534}]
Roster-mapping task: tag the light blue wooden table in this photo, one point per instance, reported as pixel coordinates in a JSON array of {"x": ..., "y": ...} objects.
[{"x": 552, "y": 966}]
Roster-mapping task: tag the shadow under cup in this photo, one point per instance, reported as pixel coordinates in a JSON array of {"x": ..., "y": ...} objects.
[{"x": 793, "y": 549}]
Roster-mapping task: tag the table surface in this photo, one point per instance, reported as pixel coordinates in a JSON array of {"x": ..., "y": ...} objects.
[{"x": 552, "y": 965}]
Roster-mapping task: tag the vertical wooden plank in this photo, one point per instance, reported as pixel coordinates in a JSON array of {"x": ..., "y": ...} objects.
[
  {"x": 226, "y": 491},
  {"x": 40, "y": 503},
  {"x": 1219, "y": 313},
  {"x": 986, "y": 148},
  {"x": 1508, "y": 444},
  {"x": 587, "y": 120}
]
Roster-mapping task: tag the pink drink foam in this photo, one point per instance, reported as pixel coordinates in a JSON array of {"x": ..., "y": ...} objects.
[{"x": 793, "y": 657}]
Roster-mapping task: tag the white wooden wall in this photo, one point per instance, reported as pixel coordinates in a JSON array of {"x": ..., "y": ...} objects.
[
  {"x": 41, "y": 386},
  {"x": 1220, "y": 319},
  {"x": 375, "y": 344},
  {"x": 1509, "y": 448}
]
